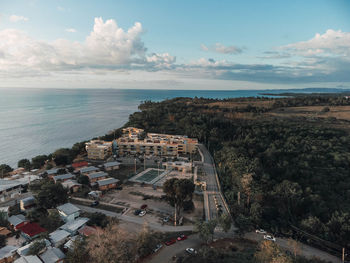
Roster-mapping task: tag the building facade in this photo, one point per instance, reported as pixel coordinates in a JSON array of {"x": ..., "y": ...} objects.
[{"x": 98, "y": 150}]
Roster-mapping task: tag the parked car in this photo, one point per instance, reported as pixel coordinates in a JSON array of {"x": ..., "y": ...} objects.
[
  {"x": 137, "y": 212},
  {"x": 159, "y": 246},
  {"x": 271, "y": 238},
  {"x": 144, "y": 206},
  {"x": 260, "y": 231},
  {"x": 170, "y": 242},
  {"x": 181, "y": 237},
  {"x": 166, "y": 219},
  {"x": 142, "y": 213},
  {"x": 191, "y": 250},
  {"x": 94, "y": 203}
]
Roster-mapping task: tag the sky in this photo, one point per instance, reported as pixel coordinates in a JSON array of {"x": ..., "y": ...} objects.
[{"x": 180, "y": 44}]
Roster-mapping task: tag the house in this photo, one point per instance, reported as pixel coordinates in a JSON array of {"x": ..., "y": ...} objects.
[
  {"x": 72, "y": 185},
  {"x": 69, "y": 245},
  {"x": 28, "y": 259},
  {"x": 87, "y": 231},
  {"x": 31, "y": 230},
  {"x": 88, "y": 170},
  {"x": 183, "y": 167},
  {"x": 73, "y": 226},
  {"x": 79, "y": 165},
  {"x": 23, "y": 251},
  {"x": 52, "y": 255},
  {"x": 98, "y": 149},
  {"x": 68, "y": 212},
  {"x": 108, "y": 183},
  {"x": 63, "y": 177},
  {"x": 9, "y": 189},
  {"x": 27, "y": 203},
  {"x": 7, "y": 254},
  {"x": 94, "y": 194},
  {"x": 4, "y": 231},
  {"x": 93, "y": 177},
  {"x": 59, "y": 237},
  {"x": 5, "y": 211},
  {"x": 52, "y": 172},
  {"x": 17, "y": 221},
  {"x": 111, "y": 166}
]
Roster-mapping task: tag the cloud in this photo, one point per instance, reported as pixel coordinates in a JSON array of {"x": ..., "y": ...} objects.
[
  {"x": 108, "y": 46},
  {"x": 220, "y": 48},
  {"x": 71, "y": 30},
  {"x": 16, "y": 18}
]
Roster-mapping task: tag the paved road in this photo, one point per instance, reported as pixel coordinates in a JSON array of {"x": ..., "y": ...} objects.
[
  {"x": 166, "y": 253},
  {"x": 136, "y": 220},
  {"x": 306, "y": 250},
  {"x": 212, "y": 195}
]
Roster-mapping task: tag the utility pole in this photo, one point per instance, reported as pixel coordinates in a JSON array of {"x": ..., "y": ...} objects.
[
  {"x": 144, "y": 162},
  {"x": 343, "y": 255},
  {"x": 135, "y": 164},
  {"x": 239, "y": 198},
  {"x": 175, "y": 215}
]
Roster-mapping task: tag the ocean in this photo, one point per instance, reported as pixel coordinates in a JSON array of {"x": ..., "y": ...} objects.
[{"x": 39, "y": 121}]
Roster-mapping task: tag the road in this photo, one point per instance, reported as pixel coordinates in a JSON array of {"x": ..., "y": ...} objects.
[
  {"x": 305, "y": 250},
  {"x": 212, "y": 195},
  {"x": 166, "y": 253},
  {"x": 136, "y": 220}
]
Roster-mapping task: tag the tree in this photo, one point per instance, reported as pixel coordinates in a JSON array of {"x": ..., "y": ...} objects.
[
  {"x": 3, "y": 219},
  {"x": 2, "y": 241},
  {"x": 49, "y": 194},
  {"x": 24, "y": 163},
  {"x": 98, "y": 219},
  {"x": 63, "y": 156},
  {"x": 225, "y": 222},
  {"x": 146, "y": 242},
  {"x": 294, "y": 246},
  {"x": 52, "y": 221},
  {"x": 177, "y": 192},
  {"x": 206, "y": 229},
  {"x": 4, "y": 170},
  {"x": 82, "y": 179},
  {"x": 79, "y": 252},
  {"x": 39, "y": 161},
  {"x": 36, "y": 247}
]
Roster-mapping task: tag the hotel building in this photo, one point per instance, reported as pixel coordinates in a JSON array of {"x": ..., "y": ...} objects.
[{"x": 98, "y": 150}]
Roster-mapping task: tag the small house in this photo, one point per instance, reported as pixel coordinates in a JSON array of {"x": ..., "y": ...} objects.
[
  {"x": 108, "y": 183},
  {"x": 4, "y": 231},
  {"x": 52, "y": 172},
  {"x": 28, "y": 259},
  {"x": 79, "y": 165},
  {"x": 23, "y": 251},
  {"x": 88, "y": 170},
  {"x": 72, "y": 185},
  {"x": 93, "y": 177},
  {"x": 31, "y": 230},
  {"x": 17, "y": 221},
  {"x": 63, "y": 177},
  {"x": 7, "y": 254},
  {"x": 73, "y": 226},
  {"x": 59, "y": 237},
  {"x": 52, "y": 255},
  {"x": 27, "y": 203},
  {"x": 110, "y": 166},
  {"x": 68, "y": 212}
]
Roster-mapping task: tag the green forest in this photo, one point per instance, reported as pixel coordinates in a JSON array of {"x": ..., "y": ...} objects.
[{"x": 288, "y": 175}]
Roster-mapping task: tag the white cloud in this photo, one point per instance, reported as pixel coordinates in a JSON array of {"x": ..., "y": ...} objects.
[
  {"x": 71, "y": 30},
  {"x": 16, "y": 18},
  {"x": 220, "y": 48}
]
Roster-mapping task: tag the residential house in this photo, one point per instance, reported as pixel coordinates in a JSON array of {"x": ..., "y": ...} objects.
[
  {"x": 23, "y": 251},
  {"x": 17, "y": 221},
  {"x": 93, "y": 177},
  {"x": 5, "y": 211},
  {"x": 69, "y": 245},
  {"x": 108, "y": 183},
  {"x": 184, "y": 167},
  {"x": 73, "y": 226},
  {"x": 109, "y": 166},
  {"x": 52, "y": 255},
  {"x": 31, "y": 230},
  {"x": 88, "y": 170},
  {"x": 9, "y": 189},
  {"x": 59, "y": 237},
  {"x": 68, "y": 212},
  {"x": 28, "y": 259},
  {"x": 7, "y": 254},
  {"x": 79, "y": 165},
  {"x": 52, "y": 172},
  {"x": 87, "y": 231},
  {"x": 4, "y": 231},
  {"x": 72, "y": 185},
  {"x": 63, "y": 177},
  {"x": 27, "y": 203}
]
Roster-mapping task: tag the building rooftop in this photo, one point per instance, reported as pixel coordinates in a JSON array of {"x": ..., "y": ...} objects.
[
  {"x": 7, "y": 251},
  {"x": 107, "y": 181},
  {"x": 87, "y": 231},
  {"x": 97, "y": 175},
  {"x": 28, "y": 200},
  {"x": 89, "y": 169},
  {"x": 79, "y": 164},
  {"x": 28, "y": 259},
  {"x": 58, "y": 236},
  {"x": 52, "y": 171},
  {"x": 68, "y": 208},
  {"x": 32, "y": 229},
  {"x": 63, "y": 176},
  {"x": 70, "y": 183},
  {"x": 17, "y": 219},
  {"x": 52, "y": 255},
  {"x": 74, "y": 225},
  {"x": 111, "y": 164},
  {"x": 23, "y": 251}
]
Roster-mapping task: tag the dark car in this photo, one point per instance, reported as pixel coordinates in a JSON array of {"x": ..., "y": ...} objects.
[
  {"x": 144, "y": 206},
  {"x": 170, "y": 242},
  {"x": 94, "y": 203},
  {"x": 137, "y": 212}
]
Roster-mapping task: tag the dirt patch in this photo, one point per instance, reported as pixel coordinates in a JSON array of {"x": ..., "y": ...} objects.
[{"x": 234, "y": 243}]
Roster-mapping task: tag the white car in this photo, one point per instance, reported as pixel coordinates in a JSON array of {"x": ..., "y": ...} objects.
[
  {"x": 142, "y": 213},
  {"x": 260, "y": 231},
  {"x": 159, "y": 246},
  {"x": 271, "y": 238},
  {"x": 191, "y": 250}
]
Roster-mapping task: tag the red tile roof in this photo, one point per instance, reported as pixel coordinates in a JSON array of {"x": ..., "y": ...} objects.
[
  {"x": 32, "y": 229},
  {"x": 79, "y": 164},
  {"x": 87, "y": 231}
]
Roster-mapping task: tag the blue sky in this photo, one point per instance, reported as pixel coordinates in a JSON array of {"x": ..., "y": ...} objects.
[{"x": 175, "y": 44}]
